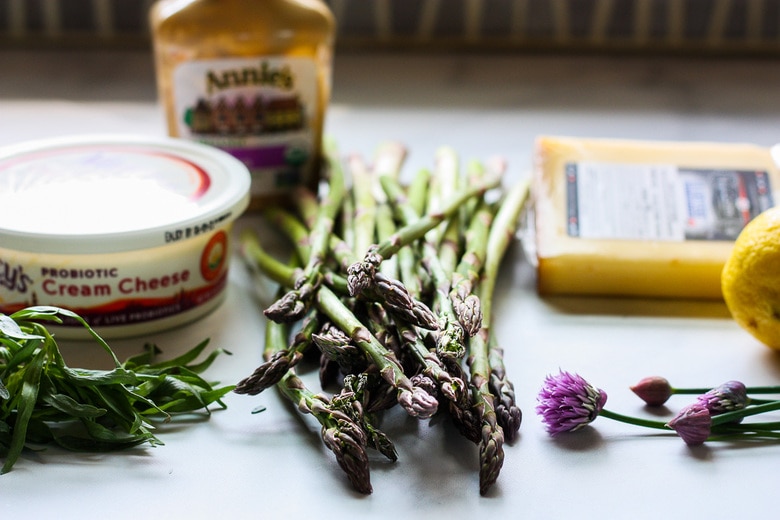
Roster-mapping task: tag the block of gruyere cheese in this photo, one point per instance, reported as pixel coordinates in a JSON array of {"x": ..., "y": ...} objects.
[{"x": 643, "y": 218}]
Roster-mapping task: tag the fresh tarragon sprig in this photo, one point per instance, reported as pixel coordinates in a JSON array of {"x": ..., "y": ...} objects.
[{"x": 43, "y": 400}]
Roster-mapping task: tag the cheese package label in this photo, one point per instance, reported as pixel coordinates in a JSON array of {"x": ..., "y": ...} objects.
[{"x": 638, "y": 218}]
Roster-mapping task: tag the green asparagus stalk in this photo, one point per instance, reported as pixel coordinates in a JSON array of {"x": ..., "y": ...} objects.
[
  {"x": 338, "y": 347},
  {"x": 293, "y": 305},
  {"x": 410, "y": 233},
  {"x": 435, "y": 195},
  {"x": 491, "y": 444},
  {"x": 450, "y": 342},
  {"x": 365, "y": 205},
  {"x": 415, "y": 401},
  {"x": 365, "y": 281},
  {"x": 501, "y": 233},
  {"x": 298, "y": 235},
  {"x": 432, "y": 367},
  {"x": 414, "y": 276},
  {"x": 339, "y": 432},
  {"x": 491, "y": 451},
  {"x": 385, "y": 227},
  {"x": 347, "y": 223},
  {"x": 447, "y": 236},
  {"x": 308, "y": 208},
  {"x": 352, "y": 400},
  {"x": 295, "y": 230},
  {"x": 466, "y": 304},
  {"x": 389, "y": 158},
  {"x": 280, "y": 360},
  {"x": 417, "y": 192}
]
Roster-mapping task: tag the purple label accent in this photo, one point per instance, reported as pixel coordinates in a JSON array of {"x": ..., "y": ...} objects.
[{"x": 268, "y": 157}]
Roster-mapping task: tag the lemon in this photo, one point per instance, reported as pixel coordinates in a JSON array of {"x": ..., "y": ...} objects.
[{"x": 750, "y": 279}]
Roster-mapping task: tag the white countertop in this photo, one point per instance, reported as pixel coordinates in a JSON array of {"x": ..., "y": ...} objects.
[{"x": 272, "y": 465}]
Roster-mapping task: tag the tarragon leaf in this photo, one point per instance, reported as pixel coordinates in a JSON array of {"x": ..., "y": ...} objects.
[
  {"x": 43, "y": 400},
  {"x": 111, "y": 437},
  {"x": 11, "y": 329},
  {"x": 27, "y": 400},
  {"x": 199, "y": 400},
  {"x": 87, "y": 444},
  {"x": 144, "y": 358},
  {"x": 116, "y": 376},
  {"x": 70, "y": 406},
  {"x": 185, "y": 358}
]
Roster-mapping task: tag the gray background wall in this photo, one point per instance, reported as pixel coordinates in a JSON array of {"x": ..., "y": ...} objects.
[{"x": 713, "y": 26}]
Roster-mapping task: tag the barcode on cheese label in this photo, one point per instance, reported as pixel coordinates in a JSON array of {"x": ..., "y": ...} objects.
[{"x": 661, "y": 202}]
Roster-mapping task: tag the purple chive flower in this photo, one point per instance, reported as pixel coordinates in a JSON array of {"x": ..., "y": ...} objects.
[
  {"x": 567, "y": 402},
  {"x": 730, "y": 396},
  {"x": 653, "y": 390},
  {"x": 693, "y": 424}
]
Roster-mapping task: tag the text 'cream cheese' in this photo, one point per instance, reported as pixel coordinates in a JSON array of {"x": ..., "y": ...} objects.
[{"x": 129, "y": 232}]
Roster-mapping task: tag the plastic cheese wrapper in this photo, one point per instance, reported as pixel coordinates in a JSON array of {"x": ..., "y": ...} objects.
[{"x": 642, "y": 218}]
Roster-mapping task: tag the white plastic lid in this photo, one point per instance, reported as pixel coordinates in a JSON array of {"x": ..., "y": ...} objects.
[{"x": 105, "y": 194}]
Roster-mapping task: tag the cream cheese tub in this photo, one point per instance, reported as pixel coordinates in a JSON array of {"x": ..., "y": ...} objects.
[{"x": 131, "y": 233}]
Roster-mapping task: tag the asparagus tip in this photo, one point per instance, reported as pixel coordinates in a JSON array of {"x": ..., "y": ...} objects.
[
  {"x": 491, "y": 454},
  {"x": 418, "y": 402}
]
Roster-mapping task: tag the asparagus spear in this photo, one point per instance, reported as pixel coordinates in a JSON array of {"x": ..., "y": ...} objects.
[
  {"x": 338, "y": 347},
  {"x": 447, "y": 371},
  {"x": 339, "y": 432},
  {"x": 298, "y": 235},
  {"x": 466, "y": 304},
  {"x": 446, "y": 238},
  {"x": 364, "y": 279},
  {"x": 450, "y": 342},
  {"x": 414, "y": 400},
  {"x": 491, "y": 451},
  {"x": 293, "y": 305},
  {"x": 479, "y": 215},
  {"x": 505, "y": 226},
  {"x": 432, "y": 367},
  {"x": 280, "y": 361},
  {"x": 389, "y": 158},
  {"x": 365, "y": 205},
  {"x": 347, "y": 222},
  {"x": 353, "y": 400},
  {"x": 295, "y": 230},
  {"x": 491, "y": 444}
]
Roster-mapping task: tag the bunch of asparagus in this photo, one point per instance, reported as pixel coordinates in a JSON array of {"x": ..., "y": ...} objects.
[{"x": 390, "y": 286}]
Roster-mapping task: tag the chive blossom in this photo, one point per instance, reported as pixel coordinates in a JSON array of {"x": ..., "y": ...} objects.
[
  {"x": 567, "y": 402},
  {"x": 693, "y": 423}
]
